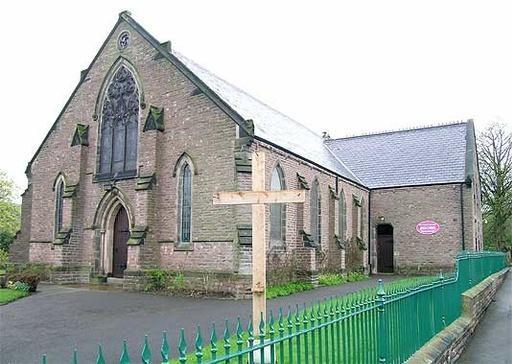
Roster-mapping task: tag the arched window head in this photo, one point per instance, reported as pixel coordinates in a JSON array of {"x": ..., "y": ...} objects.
[
  {"x": 315, "y": 213},
  {"x": 185, "y": 203},
  {"x": 342, "y": 216},
  {"x": 119, "y": 126},
  {"x": 59, "y": 203},
  {"x": 277, "y": 210}
]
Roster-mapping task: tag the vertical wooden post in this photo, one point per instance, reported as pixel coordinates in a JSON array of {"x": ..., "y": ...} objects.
[{"x": 259, "y": 258}]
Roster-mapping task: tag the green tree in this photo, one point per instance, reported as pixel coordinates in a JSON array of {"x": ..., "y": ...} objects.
[
  {"x": 10, "y": 212},
  {"x": 495, "y": 162}
]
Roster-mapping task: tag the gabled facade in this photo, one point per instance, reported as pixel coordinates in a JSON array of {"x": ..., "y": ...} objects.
[
  {"x": 124, "y": 180},
  {"x": 138, "y": 151}
]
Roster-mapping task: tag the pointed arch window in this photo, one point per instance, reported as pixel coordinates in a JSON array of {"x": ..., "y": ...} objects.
[
  {"x": 342, "y": 217},
  {"x": 59, "y": 205},
  {"x": 185, "y": 200},
  {"x": 277, "y": 210},
  {"x": 119, "y": 126},
  {"x": 316, "y": 213}
]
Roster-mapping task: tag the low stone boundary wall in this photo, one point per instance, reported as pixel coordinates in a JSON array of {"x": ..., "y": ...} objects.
[
  {"x": 221, "y": 284},
  {"x": 448, "y": 345}
]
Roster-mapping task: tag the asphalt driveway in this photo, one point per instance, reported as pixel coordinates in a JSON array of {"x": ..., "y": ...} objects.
[{"x": 58, "y": 319}]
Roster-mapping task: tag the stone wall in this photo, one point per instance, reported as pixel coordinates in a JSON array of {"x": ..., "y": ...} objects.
[
  {"x": 404, "y": 208},
  {"x": 195, "y": 129},
  {"x": 449, "y": 344}
]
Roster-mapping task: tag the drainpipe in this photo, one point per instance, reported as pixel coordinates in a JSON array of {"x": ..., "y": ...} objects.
[
  {"x": 462, "y": 216},
  {"x": 369, "y": 231}
]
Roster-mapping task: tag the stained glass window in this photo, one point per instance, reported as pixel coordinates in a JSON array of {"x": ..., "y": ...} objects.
[
  {"x": 185, "y": 203},
  {"x": 277, "y": 210},
  {"x": 59, "y": 196},
  {"x": 119, "y": 126},
  {"x": 316, "y": 213}
]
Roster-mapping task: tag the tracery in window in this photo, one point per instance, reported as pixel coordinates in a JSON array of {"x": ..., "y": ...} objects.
[{"x": 119, "y": 126}]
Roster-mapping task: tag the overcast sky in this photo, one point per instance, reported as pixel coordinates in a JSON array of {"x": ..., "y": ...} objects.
[{"x": 346, "y": 67}]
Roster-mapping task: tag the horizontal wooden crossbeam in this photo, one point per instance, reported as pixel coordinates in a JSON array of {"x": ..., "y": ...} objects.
[{"x": 258, "y": 197}]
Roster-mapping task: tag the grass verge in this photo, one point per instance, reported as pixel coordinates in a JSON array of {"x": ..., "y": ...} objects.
[{"x": 8, "y": 295}]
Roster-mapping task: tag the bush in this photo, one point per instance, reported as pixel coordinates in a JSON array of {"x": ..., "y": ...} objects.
[
  {"x": 331, "y": 279},
  {"x": 20, "y": 286},
  {"x": 31, "y": 279},
  {"x": 356, "y": 277},
  {"x": 156, "y": 279},
  {"x": 287, "y": 289}
]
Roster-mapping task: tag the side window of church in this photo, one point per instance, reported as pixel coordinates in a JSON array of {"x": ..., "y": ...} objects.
[
  {"x": 357, "y": 216},
  {"x": 316, "y": 213},
  {"x": 59, "y": 199},
  {"x": 342, "y": 216},
  {"x": 119, "y": 126},
  {"x": 277, "y": 210},
  {"x": 185, "y": 199}
]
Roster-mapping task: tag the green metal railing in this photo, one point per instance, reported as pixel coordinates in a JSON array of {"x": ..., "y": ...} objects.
[{"x": 386, "y": 324}]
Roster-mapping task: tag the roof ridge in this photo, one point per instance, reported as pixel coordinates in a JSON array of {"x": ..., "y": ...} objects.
[
  {"x": 175, "y": 52},
  {"x": 402, "y": 130}
]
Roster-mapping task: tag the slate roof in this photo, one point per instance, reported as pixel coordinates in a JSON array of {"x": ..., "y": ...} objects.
[
  {"x": 429, "y": 155},
  {"x": 269, "y": 124}
]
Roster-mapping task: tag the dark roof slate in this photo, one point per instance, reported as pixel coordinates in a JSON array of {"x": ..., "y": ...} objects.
[
  {"x": 422, "y": 156},
  {"x": 269, "y": 124}
]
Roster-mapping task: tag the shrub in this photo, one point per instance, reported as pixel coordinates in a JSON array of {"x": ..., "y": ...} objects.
[
  {"x": 331, "y": 279},
  {"x": 4, "y": 257},
  {"x": 20, "y": 286},
  {"x": 356, "y": 276},
  {"x": 156, "y": 279},
  {"x": 287, "y": 289},
  {"x": 177, "y": 283},
  {"x": 31, "y": 279}
]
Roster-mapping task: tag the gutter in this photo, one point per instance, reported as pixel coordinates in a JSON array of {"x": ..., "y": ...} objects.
[
  {"x": 462, "y": 216},
  {"x": 369, "y": 231}
]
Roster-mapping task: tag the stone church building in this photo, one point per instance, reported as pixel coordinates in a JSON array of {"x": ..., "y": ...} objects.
[{"x": 124, "y": 180}]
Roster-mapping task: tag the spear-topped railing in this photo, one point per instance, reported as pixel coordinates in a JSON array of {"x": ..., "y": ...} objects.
[{"x": 385, "y": 324}]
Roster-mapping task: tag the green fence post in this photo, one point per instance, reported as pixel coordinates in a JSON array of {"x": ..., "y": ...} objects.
[{"x": 382, "y": 341}]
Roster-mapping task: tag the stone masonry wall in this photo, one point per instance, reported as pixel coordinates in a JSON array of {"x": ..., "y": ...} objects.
[
  {"x": 448, "y": 345},
  {"x": 193, "y": 125},
  {"x": 294, "y": 258},
  {"x": 403, "y": 208}
]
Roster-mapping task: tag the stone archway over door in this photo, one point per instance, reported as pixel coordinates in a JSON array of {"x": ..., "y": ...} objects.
[
  {"x": 385, "y": 249},
  {"x": 120, "y": 247}
]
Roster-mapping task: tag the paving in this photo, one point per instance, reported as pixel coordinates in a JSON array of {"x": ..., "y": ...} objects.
[
  {"x": 58, "y": 318},
  {"x": 492, "y": 340}
]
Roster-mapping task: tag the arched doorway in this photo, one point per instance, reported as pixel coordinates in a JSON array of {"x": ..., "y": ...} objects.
[
  {"x": 385, "y": 249},
  {"x": 120, "y": 240}
]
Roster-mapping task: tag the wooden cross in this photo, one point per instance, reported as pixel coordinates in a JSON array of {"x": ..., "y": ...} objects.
[{"x": 258, "y": 197}]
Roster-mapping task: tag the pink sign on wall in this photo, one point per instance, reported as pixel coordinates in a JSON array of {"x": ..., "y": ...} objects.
[{"x": 427, "y": 227}]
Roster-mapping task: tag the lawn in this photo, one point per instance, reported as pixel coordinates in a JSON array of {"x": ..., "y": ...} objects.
[{"x": 8, "y": 295}]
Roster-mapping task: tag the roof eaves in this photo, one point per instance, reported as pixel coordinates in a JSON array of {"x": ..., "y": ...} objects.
[{"x": 416, "y": 185}]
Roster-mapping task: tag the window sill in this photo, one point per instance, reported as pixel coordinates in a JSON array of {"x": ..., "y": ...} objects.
[
  {"x": 106, "y": 177},
  {"x": 183, "y": 247}
]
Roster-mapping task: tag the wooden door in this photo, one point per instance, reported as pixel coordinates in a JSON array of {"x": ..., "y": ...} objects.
[
  {"x": 121, "y": 236},
  {"x": 385, "y": 249}
]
